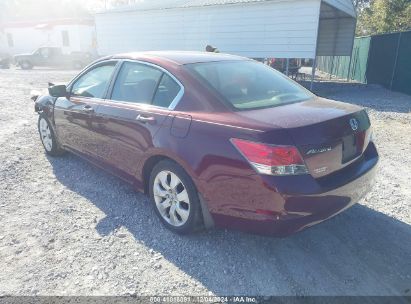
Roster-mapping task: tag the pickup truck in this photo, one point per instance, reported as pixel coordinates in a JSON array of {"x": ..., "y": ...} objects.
[{"x": 52, "y": 57}]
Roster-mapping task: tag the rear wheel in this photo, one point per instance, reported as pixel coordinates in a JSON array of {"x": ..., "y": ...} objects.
[
  {"x": 175, "y": 197},
  {"x": 48, "y": 138}
]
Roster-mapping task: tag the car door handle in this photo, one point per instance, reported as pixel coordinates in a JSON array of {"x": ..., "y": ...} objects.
[
  {"x": 145, "y": 119},
  {"x": 88, "y": 109}
]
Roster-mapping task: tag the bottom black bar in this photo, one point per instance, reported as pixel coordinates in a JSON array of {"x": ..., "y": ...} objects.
[{"x": 206, "y": 300}]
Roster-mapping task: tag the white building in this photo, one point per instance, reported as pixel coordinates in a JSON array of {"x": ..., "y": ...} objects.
[
  {"x": 251, "y": 28},
  {"x": 3, "y": 44},
  {"x": 69, "y": 34}
]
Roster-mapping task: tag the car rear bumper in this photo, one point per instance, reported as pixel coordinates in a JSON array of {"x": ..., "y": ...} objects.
[{"x": 279, "y": 210}]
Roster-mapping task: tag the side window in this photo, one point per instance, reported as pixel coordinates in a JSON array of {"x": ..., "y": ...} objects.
[
  {"x": 166, "y": 92},
  {"x": 54, "y": 52},
  {"x": 136, "y": 83},
  {"x": 94, "y": 83},
  {"x": 44, "y": 52}
]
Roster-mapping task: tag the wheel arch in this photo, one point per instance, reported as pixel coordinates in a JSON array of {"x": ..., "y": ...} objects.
[
  {"x": 30, "y": 63},
  {"x": 148, "y": 166}
]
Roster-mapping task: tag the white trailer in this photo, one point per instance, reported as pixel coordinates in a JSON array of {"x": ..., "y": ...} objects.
[{"x": 71, "y": 35}]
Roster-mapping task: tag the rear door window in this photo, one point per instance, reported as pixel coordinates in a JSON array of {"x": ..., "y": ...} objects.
[
  {"x": 167, "y": 91},
  {"x": 136, "y": 83}
]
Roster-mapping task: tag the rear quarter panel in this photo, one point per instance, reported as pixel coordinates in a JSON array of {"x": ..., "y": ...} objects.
[{"x": 220, "y": 173}]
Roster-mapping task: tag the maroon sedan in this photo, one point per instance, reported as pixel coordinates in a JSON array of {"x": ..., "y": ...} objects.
[{"x": 215, "y": 140}]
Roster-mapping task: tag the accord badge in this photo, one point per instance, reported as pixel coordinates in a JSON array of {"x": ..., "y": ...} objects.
[{"x": 318, "y": 151}]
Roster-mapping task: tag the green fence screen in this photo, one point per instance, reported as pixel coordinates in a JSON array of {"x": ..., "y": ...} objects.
[
  {"x": 360, "y": 59},
  {"x": 381, "y": 59},
  {"x": 402, "y": 76},
  {"x": 339, "y": 65}
]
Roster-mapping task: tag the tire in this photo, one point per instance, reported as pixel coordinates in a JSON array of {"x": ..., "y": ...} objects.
[
  {"x": 48, "y": 137},
  {"x": 181, "y": 200},
  {"x": 26, "y": 65}
]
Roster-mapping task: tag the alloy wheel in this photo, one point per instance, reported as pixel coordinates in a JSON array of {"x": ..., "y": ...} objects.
[
  {"x": 45, "y": 134},
  {"x": 171, "y": 198}
]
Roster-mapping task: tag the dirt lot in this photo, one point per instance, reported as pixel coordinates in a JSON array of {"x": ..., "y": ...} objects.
[{"x": 67, "y": 228}]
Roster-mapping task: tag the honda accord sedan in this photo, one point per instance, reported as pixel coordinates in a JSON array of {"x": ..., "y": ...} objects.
[{"x": 214, "y": 140}]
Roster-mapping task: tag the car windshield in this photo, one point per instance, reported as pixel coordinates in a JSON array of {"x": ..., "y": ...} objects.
[{"x": 249, "y": 85}]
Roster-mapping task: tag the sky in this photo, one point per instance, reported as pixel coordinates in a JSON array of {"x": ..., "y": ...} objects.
[{"x": 21, "y": 10}]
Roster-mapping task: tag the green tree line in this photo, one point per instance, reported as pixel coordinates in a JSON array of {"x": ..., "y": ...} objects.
[{"x": 383, "y": 16}]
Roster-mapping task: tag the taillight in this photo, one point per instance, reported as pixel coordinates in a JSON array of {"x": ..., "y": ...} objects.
[{"x": 272, "y": 160}]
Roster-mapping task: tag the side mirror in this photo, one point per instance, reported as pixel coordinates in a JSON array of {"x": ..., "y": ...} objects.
[{"x": 58, "y": 91}]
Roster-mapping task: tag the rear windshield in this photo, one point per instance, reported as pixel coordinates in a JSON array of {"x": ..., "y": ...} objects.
[{"x": 249, "y": 85}]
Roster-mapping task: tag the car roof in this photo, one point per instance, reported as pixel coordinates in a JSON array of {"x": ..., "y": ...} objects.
[{"x": 178, "y": 57}]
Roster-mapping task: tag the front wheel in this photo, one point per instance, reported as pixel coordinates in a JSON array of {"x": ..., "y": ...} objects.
[
  {"x": 175, "y": 197},
  {"x": 48, "y": 137}
]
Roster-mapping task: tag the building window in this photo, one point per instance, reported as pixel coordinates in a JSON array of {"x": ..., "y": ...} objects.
[
  {"x": 66, "y": 39},
  {"x": 10, "y": 41}
]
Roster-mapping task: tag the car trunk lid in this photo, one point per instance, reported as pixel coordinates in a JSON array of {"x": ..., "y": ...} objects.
[{"x": 329, "y": 135}]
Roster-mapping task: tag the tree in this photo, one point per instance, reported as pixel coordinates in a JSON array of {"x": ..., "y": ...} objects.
[
  {"x": 384, "y": 16},
  {"x": 359, "y": 4}
]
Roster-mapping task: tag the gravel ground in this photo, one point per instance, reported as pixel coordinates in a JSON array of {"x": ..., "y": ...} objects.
[{"x": 68, "y": 228}]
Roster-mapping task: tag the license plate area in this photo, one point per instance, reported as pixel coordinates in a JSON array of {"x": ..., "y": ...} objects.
[{"x": 350, "y": 149}]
